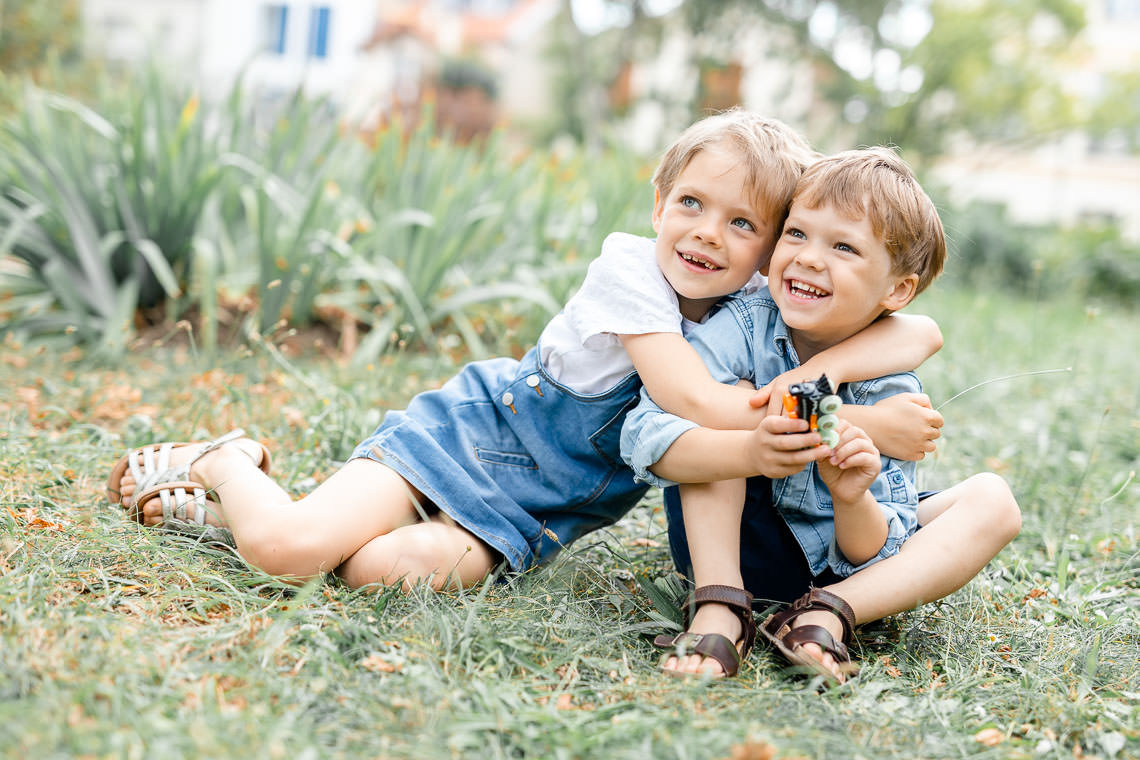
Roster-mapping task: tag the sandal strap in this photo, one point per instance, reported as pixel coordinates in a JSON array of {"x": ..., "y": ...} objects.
[
  {"x": 150, "y": 465},
  {"x": 177, "y": 498},
  {"x": 821, "y": 599},
  {"x": 815, "y": 634},
  {"x": 816, "y": 600},
  {"x": 737, "y": 600},
  {"x": 714, "y": 646}
]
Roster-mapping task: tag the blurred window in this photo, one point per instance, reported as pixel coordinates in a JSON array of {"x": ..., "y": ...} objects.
[
  {"x": 319, "y": 31},
  {"x": 275, "y": 28},
  {"x": 1122, "y": 10}
]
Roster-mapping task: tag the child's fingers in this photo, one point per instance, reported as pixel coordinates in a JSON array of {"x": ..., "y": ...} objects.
[
  {"x": 785, "y": 463},
  {"x": 854, "y": 451},
  {"x": 919, "y": 398},
  {"x": 851, "y": 441},
  {"x": 783, "y": 425},
  {"x": 761, "y": 397}
]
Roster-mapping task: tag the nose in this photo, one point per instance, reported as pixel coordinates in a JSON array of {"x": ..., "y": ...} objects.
[
  {"x": 808, "y": 256},
  {"x": 708, "y": 230}
]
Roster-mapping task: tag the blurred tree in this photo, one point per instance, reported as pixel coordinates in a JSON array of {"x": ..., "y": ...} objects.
[
  {"x": 37, "y": 38},
  {"x": 916, "y": 72},
  {"x": 1115, "y": 116},
  {"x": 32, "y": 32},
  {"x": 591, "y": 64}
]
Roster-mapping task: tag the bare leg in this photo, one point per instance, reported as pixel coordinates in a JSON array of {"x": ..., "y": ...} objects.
[
  {"x": 300, "y": 539},
  {"x": 438, "y": 552},
  {"x": 712, "y": 514},
  {"x": 964, "y": 527}
]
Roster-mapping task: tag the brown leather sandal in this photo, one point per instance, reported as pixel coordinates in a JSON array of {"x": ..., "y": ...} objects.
[
  {"x": 713, "y": 645},
  {"x": 777, "y": 628}
]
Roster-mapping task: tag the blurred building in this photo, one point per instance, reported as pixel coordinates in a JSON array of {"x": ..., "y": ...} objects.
[
  {"x": 478, "y": 60},
  {"x": 275, "y": 46},
  {"x": 1074, "y": 178},
  {"x": 484, "y": 62}
]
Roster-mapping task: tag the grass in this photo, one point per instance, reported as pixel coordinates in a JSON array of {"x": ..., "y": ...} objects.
[{"x": 119, "y": 642}]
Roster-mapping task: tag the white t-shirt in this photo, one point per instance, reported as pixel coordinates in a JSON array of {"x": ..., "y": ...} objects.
[{"x": 624, "y": 293}]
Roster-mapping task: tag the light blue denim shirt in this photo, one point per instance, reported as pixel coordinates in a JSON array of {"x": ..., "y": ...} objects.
[{"x": 748, "y": 339}]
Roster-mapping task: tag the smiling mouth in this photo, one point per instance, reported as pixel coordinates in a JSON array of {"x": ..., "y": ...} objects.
[
  {"x": 697, "y": 261},
  {"x": 801, "y": 289}
]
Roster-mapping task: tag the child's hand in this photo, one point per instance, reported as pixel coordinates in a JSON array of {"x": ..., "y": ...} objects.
[
  {"x": 782, "y": 447},
  {"x": 907, "y": 426},
  {"x": 852, "y": 465},
  {"x": 772, "y": 394}
]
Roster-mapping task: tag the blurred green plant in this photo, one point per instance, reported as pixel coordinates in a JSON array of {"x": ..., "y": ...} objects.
[
  {"x": 283, "y": 211},
  {"x": 40, "y": 40},
  {"x": 989, "y": 250},
  {"x": 101, "y": 210}
]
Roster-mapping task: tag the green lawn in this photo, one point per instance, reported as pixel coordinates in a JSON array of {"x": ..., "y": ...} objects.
[{"x": 118, "y": 642}]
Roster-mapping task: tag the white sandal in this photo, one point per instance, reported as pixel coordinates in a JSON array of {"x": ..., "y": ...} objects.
[{"x": 150, "y": 466}]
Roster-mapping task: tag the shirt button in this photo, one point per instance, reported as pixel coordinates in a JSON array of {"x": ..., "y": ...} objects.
[
  {"x": 532, "y": 381},
  {"x": 508, "y": 398}
]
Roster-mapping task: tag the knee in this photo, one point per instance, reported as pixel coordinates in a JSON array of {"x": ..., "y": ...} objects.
[
  {"x": 278, "y": 550},
  {"x": 408, "y": 560},
  {"x": 990, "y": 491}
]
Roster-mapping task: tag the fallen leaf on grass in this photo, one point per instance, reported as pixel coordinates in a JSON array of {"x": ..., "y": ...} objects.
[
  {"x": 991, "y": 737},
  {"x": 648, "y": 542},
  {"x": 752, "y": 751},
  {"x": 378, "y": 664},
  {"x": 29, "y": 517}
]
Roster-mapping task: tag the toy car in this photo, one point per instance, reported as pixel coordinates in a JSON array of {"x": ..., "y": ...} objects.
[{"x": 816, "y": 402}]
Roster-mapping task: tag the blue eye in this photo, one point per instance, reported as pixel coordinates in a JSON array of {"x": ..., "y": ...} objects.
[
  {"x": 793, "y": 232},
  {"x": 689, "y": 201},
  {"x": 846, "y": 248},
  {"x": 743, "y": 224}
]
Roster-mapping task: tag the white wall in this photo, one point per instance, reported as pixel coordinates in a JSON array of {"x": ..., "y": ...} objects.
[{"x": 216, "y": 40}]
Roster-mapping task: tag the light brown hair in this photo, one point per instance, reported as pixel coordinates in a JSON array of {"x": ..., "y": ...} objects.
[
  {"x": 877, "y": 184},
  {"x": 773, "y": 154}
]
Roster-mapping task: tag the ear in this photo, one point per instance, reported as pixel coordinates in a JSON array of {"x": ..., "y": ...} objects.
[
  {"x": 901, "y": 293},
  {"x": 766, "y": 260},
  {"x": 658, "y": 209}
]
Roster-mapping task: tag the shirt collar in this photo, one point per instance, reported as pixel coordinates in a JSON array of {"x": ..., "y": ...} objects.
[{"x": 782, "y": 340}]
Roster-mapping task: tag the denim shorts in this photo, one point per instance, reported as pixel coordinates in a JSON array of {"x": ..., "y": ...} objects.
[
  {"x": 772, "y": 562},
  {"x": 522, "y": 462}
]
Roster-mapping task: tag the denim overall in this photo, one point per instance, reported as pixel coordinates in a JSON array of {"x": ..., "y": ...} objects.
[{"x": 524, "y": 463}]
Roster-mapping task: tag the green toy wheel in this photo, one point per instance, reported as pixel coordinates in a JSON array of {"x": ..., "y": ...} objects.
[
  {"x": 829, "y": 438},
  {"x": 830, "y": 404},
  {"x": 827, "y": 422}
]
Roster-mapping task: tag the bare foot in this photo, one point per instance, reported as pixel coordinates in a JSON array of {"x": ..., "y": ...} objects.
[
  {"x": 245, "y": 448},
  {"x": 833, "y": 625},
  {"x": 709, "y": 618}
]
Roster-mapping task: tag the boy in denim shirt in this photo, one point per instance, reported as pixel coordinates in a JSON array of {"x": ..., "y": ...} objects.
[{"x": 861, "y": 240}]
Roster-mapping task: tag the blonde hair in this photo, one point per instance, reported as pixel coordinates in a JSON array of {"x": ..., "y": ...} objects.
[
  {"x": 877, "y": 184},
  {"x": 773, "y": 154}
]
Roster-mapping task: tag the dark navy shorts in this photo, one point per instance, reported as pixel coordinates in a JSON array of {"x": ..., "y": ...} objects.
[{"x": 772, "y": 563}]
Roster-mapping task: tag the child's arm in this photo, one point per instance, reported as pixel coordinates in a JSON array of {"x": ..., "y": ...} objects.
[
  {"x": 700, "y": 454},
  {"x": 676, "y": 378},
  {"x": 903, "y": 426},
  {"x": 678, "y": 381},
  {"x": 898, "y": 343},
  {"x": 861, "y": 529}
]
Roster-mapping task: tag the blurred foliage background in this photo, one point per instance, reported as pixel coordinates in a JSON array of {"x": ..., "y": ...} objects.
[{"x": 130, "y": 205}]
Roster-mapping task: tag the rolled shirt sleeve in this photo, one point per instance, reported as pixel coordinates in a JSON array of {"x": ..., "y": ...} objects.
[
  {"x": 894, "y": 489},
  {"x": 898, "y": 500}
]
